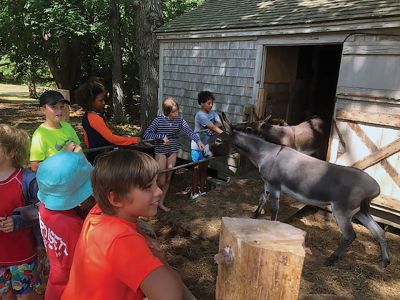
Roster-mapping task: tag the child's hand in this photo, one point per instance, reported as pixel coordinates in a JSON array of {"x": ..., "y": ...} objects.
[
  {"x": 166, "y": 140},
  {"x": 72, "y": 147},
  {"x": 201, "y": 145},
  {"x": 6, "y": 224}
]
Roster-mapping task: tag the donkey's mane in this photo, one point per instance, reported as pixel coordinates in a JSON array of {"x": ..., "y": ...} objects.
[
  {"x": 250, "y": 134},
  {"x": 256, "y": 137}
]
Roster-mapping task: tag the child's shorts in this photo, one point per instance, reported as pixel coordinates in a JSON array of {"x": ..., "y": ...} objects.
[
  {"x": 197, "y": 155},
  {"x": 22, "y": 279}
]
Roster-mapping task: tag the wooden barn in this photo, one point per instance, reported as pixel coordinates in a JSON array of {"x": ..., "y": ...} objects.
[{"x": 337, "y": 59}]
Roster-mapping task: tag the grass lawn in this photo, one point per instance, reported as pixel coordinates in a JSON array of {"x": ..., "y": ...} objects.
[{"x": 14, "y": 92}]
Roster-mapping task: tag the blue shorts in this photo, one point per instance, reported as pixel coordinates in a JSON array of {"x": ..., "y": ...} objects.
[
  {"x": 22, "y": 279},
  {"x": 197, "y": 155}
]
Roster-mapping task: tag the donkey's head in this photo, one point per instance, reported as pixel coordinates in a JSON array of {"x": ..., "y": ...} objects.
[
  {"x": 264, "y": 123},
  {"x": 221, "y": 144}
]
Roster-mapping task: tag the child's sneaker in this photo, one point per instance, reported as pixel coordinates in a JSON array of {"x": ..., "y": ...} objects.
[{"x": 195, "y": 196}]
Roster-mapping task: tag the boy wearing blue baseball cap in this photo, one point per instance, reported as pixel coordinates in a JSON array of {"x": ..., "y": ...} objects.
[
  {"x": 54, "y": 135},
  {"x": 64, "y": 183}
]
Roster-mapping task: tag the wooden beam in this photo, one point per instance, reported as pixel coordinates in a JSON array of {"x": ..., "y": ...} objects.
[
  {"x": 340, "y": 136},
  {"x": 369, "y": 118},
  {"x": 377, "y": 156},
  {"x": 387, "y": 202},
  {"x": 261, "y": 102},
  {"x": 376, "y": 153}
]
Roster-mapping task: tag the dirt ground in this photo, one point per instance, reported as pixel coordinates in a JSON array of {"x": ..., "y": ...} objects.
[{"x": 189, "y": 233}]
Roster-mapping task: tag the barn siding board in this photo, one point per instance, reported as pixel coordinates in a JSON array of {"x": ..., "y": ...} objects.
[
  {"x": 204, "y": 53},
  {"x": 210, "y": 61},
  {"x": 182, "y": 80}
]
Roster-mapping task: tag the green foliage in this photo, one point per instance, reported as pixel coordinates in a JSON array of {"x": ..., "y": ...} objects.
[
  {"x": 175, "y": 8},
  {"x": 31, "y": 32}
]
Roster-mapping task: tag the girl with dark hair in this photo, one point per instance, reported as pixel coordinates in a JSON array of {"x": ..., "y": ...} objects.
[{"x": 91, "y": 96}]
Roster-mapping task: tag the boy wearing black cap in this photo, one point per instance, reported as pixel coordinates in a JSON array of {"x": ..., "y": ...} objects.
[{"x": 54, "y": 135}]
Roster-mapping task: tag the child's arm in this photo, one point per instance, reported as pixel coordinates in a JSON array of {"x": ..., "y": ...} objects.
[
  {"x": 36, "y": 155},
  {"x": 163, "y": 283},
  {"x": 190, "y": 133},
  {"x": 205, "y": 122},
  {"x": 28, "y": 214},
  {"x": 34, "y": 165},
  {"x": 143, "y": 269},
  {"x": 214, "y": 127},
  {"x": 25, "y": 216},
  {"x": 151, "y": 133},
  {"x": 98, "y": 124}
]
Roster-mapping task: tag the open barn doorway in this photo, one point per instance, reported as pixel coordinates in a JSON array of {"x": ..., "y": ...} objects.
[{"x": 300, "y": 82}]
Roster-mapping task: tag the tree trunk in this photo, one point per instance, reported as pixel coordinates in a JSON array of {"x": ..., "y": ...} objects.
[
  {"x": 66, "y": 67},
  {"x": 259, "y": 259},
  {"x": 32, "y": 84},
  {"x": 116, "y": 68},
  {"x": 148, "y": 18}
]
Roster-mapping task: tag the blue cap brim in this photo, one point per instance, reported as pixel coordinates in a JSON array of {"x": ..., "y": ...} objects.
[{"x": 68, "y": 201}]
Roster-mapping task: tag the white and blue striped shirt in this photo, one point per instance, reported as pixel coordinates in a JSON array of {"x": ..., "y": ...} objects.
[{"x": 163, "y": 126}]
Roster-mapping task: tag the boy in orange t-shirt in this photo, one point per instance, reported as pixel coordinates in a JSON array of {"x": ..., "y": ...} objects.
[{"x": 112, "y": 260}]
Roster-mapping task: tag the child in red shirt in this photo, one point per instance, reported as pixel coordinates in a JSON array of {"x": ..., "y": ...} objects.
[
  {"x": 19, "y": 274},
  {"x": 64, "y": 183},
  {"x": 112, "y": 260},
  {"x": 91, "y": 96}
]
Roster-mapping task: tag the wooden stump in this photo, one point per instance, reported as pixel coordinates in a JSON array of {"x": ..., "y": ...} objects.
[{"x": 267, "y": 260}]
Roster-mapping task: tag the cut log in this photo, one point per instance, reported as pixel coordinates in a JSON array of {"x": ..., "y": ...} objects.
[{"x": 259, "y": 259}]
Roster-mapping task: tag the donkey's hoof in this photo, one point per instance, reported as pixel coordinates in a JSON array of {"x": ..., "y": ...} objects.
[
  {"x": 330, "y": 260},
  {"x": 255, "y": 215},
  {"x": 385, "y": 263}
]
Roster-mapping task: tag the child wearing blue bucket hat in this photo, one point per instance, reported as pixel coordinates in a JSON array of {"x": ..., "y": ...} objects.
[{"x": 64, "y": 183}]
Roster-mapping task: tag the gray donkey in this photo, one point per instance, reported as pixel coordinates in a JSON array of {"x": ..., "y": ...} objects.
[{"x": 315, "y": 182}]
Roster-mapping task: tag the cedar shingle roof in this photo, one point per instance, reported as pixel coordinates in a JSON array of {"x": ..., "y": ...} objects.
[{"x": 241, "y": 14}]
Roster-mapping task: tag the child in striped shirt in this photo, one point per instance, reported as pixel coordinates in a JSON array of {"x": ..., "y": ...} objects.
[{"x": 165, "y": 130}]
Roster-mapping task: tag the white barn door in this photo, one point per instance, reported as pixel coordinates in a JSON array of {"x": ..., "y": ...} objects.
[{"x": 365, "y": 130}]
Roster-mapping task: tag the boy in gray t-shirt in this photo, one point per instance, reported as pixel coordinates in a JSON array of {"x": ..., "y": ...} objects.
[{"x": 205, "y": 119}]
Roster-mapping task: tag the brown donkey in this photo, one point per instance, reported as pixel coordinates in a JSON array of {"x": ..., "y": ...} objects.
[{"x": 306, "y": 137}]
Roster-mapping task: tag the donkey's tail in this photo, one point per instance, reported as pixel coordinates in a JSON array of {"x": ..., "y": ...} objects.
[
  {"x": 366, "y": 205},
  {"x": 372, "y": 190}
]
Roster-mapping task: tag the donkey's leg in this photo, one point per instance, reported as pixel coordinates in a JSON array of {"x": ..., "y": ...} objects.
[
  {"x": 366, "y": 219},
  {"x": 261, "y": 202},
  {"x": 346, "y": 227},
  {"x": 274, "y": 197}
]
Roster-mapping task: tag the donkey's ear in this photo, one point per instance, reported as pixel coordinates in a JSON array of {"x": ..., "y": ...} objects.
[
  {"x": 221, "y": 118},
  {"x": 267, "y": 118},
  {"x": 227, "y": 125}
]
